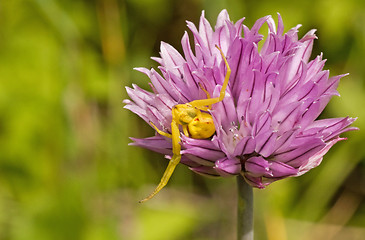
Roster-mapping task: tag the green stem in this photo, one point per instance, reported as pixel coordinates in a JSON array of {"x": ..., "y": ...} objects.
[{"x": 244, "y": 210}]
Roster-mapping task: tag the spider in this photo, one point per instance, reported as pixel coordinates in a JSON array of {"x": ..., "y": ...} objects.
[{"x": 196, "y": 123}]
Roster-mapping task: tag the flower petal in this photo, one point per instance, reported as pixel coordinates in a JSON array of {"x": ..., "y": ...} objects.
[
  {"x": 156, "y": 143},
  {"x": 205, "y": 171},
  {"x": 316, "y": 159},
  {"x": 228, "y": 167},
  {"x": 257, "y": 167},
  {"x": 297, "y": 156}
]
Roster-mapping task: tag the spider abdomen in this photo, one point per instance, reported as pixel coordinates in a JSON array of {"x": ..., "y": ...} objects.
[{"x": 203, "y": 127}]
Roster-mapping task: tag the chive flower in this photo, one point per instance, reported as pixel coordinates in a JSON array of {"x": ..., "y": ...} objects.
[{"x": 266, "y": 126}]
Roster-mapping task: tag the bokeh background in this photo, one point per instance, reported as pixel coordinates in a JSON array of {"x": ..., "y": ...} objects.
[{"x": 66, "y": 170}]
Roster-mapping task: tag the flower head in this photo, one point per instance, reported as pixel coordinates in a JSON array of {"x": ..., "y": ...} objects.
[{"x": 266, "y": 127}]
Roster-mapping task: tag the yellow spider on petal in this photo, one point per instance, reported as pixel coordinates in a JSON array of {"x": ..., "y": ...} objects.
[{"x": 195, "y": 124}]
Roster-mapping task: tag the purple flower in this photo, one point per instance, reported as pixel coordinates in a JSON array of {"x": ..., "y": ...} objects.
[{"x": 266, "y": 127}]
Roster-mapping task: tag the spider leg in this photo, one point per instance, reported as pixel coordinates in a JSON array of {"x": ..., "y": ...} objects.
[
  {"x": 161, "y": 132},
  {"x": 204, "y": 90},
  {"x": 208, "y": 96},
  {"x": 202, "y": 103},
  {"x": 185, "y": 130},
  {"x": 174, "y": 161}
]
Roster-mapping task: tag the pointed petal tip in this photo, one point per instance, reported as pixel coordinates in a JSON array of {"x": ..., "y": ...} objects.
[
  {"x": 312, "y": 32},
  {"x": 188, "y": 23},
  {"x": 132, "y": 144},
  {"x": 223, "y": 12},
  {"x": 352, "y": 119},
  {"x": 157, "y": 59},
  {"x": 126, "y": 101},
  {"x": 143, "y": 70},
  {"x": 352, "y": 129}
]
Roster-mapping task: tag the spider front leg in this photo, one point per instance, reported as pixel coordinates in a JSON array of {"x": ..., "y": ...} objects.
[
  {"x": 161, "y": 132},
  {"x": 174, "y": 161},
  {"x": 202, "y": 103}
]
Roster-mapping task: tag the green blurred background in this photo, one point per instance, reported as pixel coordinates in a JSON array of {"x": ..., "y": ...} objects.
[{"x": 66, "y": 171}]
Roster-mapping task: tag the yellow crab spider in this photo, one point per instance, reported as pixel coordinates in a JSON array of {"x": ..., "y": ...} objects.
[{"x": 195, "y": 124}]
